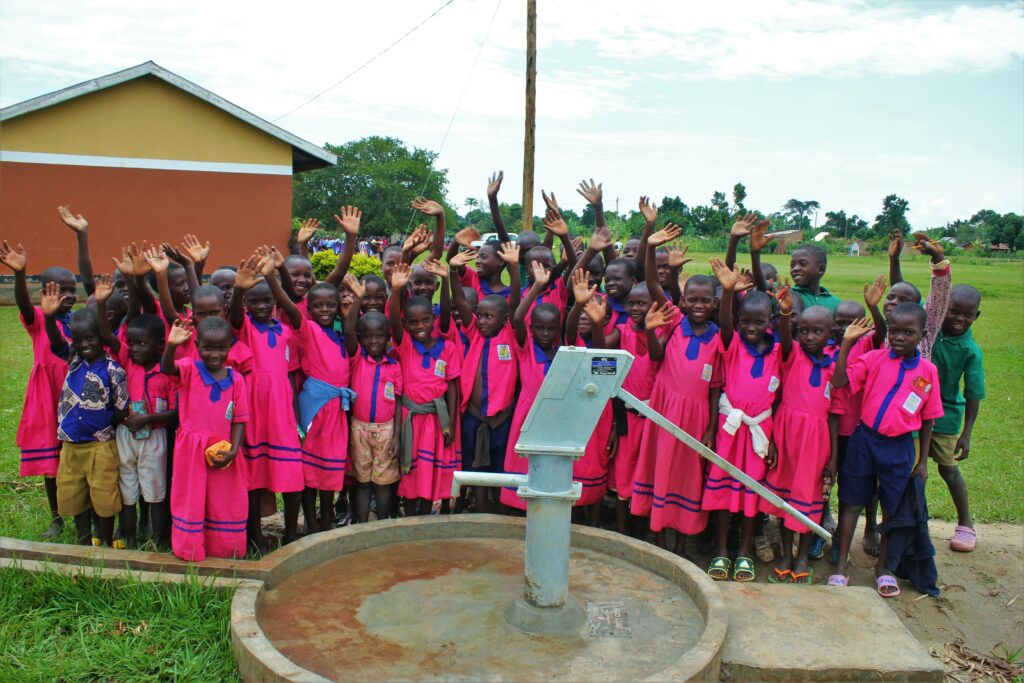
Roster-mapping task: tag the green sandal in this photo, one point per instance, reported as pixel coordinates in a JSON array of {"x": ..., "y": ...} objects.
[
  {"x": 719, "y": 568},
  {"x": 743, "y": 570}
]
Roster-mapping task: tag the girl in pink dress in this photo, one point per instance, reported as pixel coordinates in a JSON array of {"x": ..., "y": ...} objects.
[
  {"x": 272, "y": 451},
  {"x": 37, "y": 430},
  {"x": 751, "y": 361},
  {"x": 209, "y": 501},
  {"x": 804, "y": 437},
  {"x": 431, "y": 367}
]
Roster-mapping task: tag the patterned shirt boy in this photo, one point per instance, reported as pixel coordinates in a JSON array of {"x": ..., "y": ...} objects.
[{"x": 91, "y": 395}]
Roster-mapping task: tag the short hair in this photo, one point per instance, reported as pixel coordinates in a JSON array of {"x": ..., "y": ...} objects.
[
  {"x": 498, "y": 300},
  {"x": 816, "y": 310},
  {"x": 374, "y": 280},
  {"x": 233, "y": 269},
  {"x": 171, "y": 266},
  {"x": 148, "y": 324},
  {"x": 537, "y": 252},
  {"x": 814, "y": 250},
  {"x": 393, "y": 247},
  {"x": 910, "y": 285},
  {"x": 546, "y": 310},
  {"x": 414, "y": 302},
  {"x": 372, "y": 318},
  {"x": 661, "y": 251},
  {"x": 209, "y": 291},
  {"x": 856, "y": 308},
  {"x": 769, "y": 271},
  {"x": 628, "y": 264},
  {"x": 529, "y": 236},
  {"x": 55, "y": 274},
  {"x": 967, "y": 292},
  {"x": 756, "y": 298},
  {"x": 702, "y": 281},
  {"x": 213, "y": 324},
  {"x": 640, "y": 287},
  {"x": 596, "y": 263},
  {"x": 84, "y": 316},
  {"x": 322, "y": 287},
  {"x": 912, "y": 310},
  {"x": 296, "y": 258}
]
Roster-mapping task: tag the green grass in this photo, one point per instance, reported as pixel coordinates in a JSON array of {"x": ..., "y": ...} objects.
[{"x": 78, "y": 628}]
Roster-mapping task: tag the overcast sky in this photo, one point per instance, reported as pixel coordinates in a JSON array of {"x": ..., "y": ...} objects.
[{"x": 842, "y": 102}]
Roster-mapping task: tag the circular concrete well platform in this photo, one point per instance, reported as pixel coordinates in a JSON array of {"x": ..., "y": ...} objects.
[{"x": 425, "y": 599}]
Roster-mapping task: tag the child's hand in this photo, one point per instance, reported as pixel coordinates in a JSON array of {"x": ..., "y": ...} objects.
[
  {"x": 76, "y": 223},
  {"x": 676, "y": 256},
  {"x": 581, "y": 289},
  {"x": 550, "y": 201},
  {"x": 541, "y": 275},
  {"x": 393, "y": 447},
  {"x": 248, "y": 273},
  {"x": 895, "y": 243},
  {"x": 196, "y": 250},
  {"x": 555, "y": 224},
  {"x": 266, "y": 266},
  {"x": 307, "y": 229},
  {"x": 509, "y": 253},
  {"x": 124, "y": 264},
  {"x": 601, "y": 239},
  {"x": 400, "y": 275},
  {"x": 104, "y": 287},
  {"x": 759, "y": 235},
  {"x": 50, "y": 299},
  {"x": 577, "y": 244},
  {"x": 828, "y": 477},
  {"x": 963, "y": 447},
  {"x": 921, "y": 470},
  {"x": 180, "y": 332},
  {"x": 709, "y": 436},
  {"x": 612, "y": 445},
  {"x": 435, "y": 267},
  {"x": 494, "y": 184},
  {"x": 462, "y": 258},
  {"x": 416, "y": 243},
  {"x": 157, "y": 260},
  {"x": 665, "y": 235},
  {"x": 467, "y": 236},
  {"x": 592, "y": 193},
  {"x": 926, "y": 245},
  {"x": 785, "y": 300},
  {"x": 354, "y": 285},
  {"x": 745, "y": 281},
  {"x": 874, "y": 292},
  {"x": 427, "y": 207},
  {"x": 727, "y": 278},
  {"x": 14, "y": 258},
  {"x": 741, "y": 228},
  {"x": 349, "y": 219},
  {"x": 772, "y": 457},
  {"x": 136, "y": 421},
  {"x": 659, "y": 315},
  {"x": 276, "y": 256},
  {"x": 175, "y": 255},
  {"x": 649, "y": 210},
  {"x": 596, "y": 309},
  {"x": 140, "y": 265},
  {"x": 857, "y": 329}
]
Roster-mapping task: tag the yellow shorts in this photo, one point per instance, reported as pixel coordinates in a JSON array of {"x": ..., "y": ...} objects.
[
  {"x": 942, "y": 449},
  {"x": 369, "y": 455},
  {"x": 87, "y": 478}
]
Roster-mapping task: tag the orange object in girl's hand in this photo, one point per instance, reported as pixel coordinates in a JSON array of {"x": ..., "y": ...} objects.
[{"x": 214, "y": 454}]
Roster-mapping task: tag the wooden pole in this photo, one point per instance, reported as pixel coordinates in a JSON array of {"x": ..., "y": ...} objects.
[{"x": 531, "y": 113}]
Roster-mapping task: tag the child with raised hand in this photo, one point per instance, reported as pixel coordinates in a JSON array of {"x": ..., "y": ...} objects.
[
  {"x": 209, "y": 499},
  {"x": 487, "y": 385},
  {"x": 752, "y": 376},
  {"x": 273, "y": 454},
  {"x": 142, "y": 440},
  {"x": 901, "y": 291},
  {"x": 900, "y": 397},
  {"x": 37, "y": 428},
  {"x": 80, "y": 227},
  {"x": 802, "y": 457},
  {"x": 376, "y": 421},
  {"x": 536, "y": 346},
  {"x": 171, "y": 281},
  {"x": 431, "y": 367},
  {"x": 556, "y": 293},
  {"x": 958, "y": 357}
]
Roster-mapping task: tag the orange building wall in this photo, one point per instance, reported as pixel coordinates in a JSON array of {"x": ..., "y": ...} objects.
[{"x": 237, "y": 212}]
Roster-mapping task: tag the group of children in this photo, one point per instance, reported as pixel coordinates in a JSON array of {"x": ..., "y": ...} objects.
[{"x": 204, "y": 401}]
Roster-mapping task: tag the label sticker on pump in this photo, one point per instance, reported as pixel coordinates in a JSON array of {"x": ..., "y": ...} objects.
[{"x": 604, "y": 365}]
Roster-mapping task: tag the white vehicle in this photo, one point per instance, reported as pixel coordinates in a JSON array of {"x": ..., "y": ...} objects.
[{"x": 492, "y": 237}]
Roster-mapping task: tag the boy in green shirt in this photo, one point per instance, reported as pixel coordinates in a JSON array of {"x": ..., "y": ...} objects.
[
  {"x": 807, "y": 267},
  {"x": 956, "y": 355}
]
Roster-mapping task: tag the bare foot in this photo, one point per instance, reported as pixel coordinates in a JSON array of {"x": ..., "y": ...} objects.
[
  {"x": 56, "y": 526},
  {"x": 871, "y": 541}
]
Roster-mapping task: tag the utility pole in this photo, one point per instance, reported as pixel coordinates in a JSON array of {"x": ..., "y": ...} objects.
[{"x": 529, "y": 144}]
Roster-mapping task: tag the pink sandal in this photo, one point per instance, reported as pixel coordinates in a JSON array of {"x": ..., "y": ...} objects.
[
  {"x": 964, "y": 539},
  {"x": 839, "y": 580},
  {"x": 887, "y": 581}
]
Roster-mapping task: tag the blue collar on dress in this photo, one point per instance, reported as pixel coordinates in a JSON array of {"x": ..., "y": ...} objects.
[
  {"x": 693, "y": 346},
  {"x": 816, "y": 366},
  {"x": 907, "y": 363},
  {"x": 541, "y": 357},
  {"x": 272, "y": 329},
  {"x": 426, "y": 354},
  {"x": 757, "y": 369},
  {"x": 385, "y": 359},
  {"x": 216, "y": 386}
]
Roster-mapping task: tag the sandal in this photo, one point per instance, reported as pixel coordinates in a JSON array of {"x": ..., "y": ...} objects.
[
  {"x": 817, "y": 548},
  {"x": 763, "y": 549},
  {"x": 964, "y": 539},
  {"x": 780, "y": 576},
  {"x": 887, "y": 581},
  {"x": 743, "y": 570},
  {"x": 719, "y": 568},
  {"x": 805, "y": 578},
  {"x": 839, "y": 580}
]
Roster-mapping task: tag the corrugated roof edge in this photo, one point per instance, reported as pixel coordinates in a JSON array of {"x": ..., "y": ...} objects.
[{"x": 305, "y": 155}]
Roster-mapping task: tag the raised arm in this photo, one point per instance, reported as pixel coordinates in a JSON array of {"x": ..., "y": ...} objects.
[
  {"x": 431, "y": 208},
  {"x": 415, "y": 244},
  {"x": 510, "y": 255},
  {"x": 50, "y": 301},
  {"x": 124, "y": 266},
  {"x": 594, "y": 194},
  {"x": 785, "y": 327},
  {"x": 307, "y": 229},
  {"x": 352, "y": 319},
  {"x": 158, "y": 261},
  {"x": 185, "y": 261},
  {"x": 246, "y": 277},
  {"x": 663, "y": 236},
  {"x": 873, "y": 294},
  {"x": 939, "y": 291},
  {"x": 291, "y": 312},
  {"x": 439, "y": 269},
  {"x": 493, "y": 185},
  {"x": 541, "y": 277},
  {"x": 582, "y": 293},
  {"x": 597, "y": 310},
  {"x": 759, "y": 238},
  {"x": 181, "y": 332},
  {"x": 854, "y": 331},
  {"x": 650, "y": 213},
  {"x": 349, "y": 222},
  {"x": 727, "y": 277},
  {"x": 459, "y": 301},
  {"x": 676, "y": 260},
  {"x": 16, "y": 259},
  {"x": 104, "y": 288},
  {"x": 740, "y": 229},
  {"x": 80, "y": 227},
  {"x": 399, "y": 279},
  {"x": 895, "y": 249},
  {"x": 197, "y": 252},
  {"x": 661, "y": 314},
  {"x": 140, "y": 268},
  {"x": 557, "y": 227}
]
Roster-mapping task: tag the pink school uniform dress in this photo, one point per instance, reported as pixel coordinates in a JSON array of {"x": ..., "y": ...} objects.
[
  {"x": 471, "y": 278},
  {"x": 555, "y": 294},
  {"x": 849, "y": 416},
  {"x": 183, "y": 350},
  {"x": 751, "y": 380},
  {"x": 239, "y": 355},
  {"x": 617, "y": 315},
  {"x": 639, "y": 382},
  {"x": 668, "y": 480},
  {"x": 494, "y": 361},
  {"x": 425, "y": 377},
  {"x": 37, "y": 430},
  {"x": 209, "y": 505},
  {"x": 272, "y": 450},
  {"x": 802, "y": 437},
  {"x": 592, "y": 469},
  {"x": 324, "y": 361}
]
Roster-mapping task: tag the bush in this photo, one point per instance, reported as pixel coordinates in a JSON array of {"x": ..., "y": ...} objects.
[{"x": 325, "y": 261}]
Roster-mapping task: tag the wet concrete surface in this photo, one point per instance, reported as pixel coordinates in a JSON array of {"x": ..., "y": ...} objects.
[{"x": 433, "y": 610}]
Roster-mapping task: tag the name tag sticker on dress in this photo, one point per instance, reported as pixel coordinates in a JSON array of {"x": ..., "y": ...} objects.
[
  {"x": 389, "y": 391},
  {"x": 705, "y": 374},
  {"x": 828, "y": 390},
  {"x": 439, "y": 368},
  {"x": 230, "y": 412},
  {"x": 912, "y": 403},
  {"x": 603, "y": 365},
  {"x": 773, "y": 383},
  {"x": 504, "y": 352},
  {"x": 287, "y": 354}
]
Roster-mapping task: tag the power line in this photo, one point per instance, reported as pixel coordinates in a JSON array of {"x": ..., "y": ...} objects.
[
  {"x": 458, "y": 104},
  {"x": 366, "y": 63}
]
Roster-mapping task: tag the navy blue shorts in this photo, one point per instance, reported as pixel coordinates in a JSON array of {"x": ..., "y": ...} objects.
[
  {"x": 499, "y": 439},
  {"x": 875, "y": 459}
]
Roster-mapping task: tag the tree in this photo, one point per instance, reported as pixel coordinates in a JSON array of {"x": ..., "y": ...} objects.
[
  {"x": 381, "y": 176},
  {"x": 719, "y": 203},
  {"x": 893, "y": 216},
  {"x": 739, "y": 193}
]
